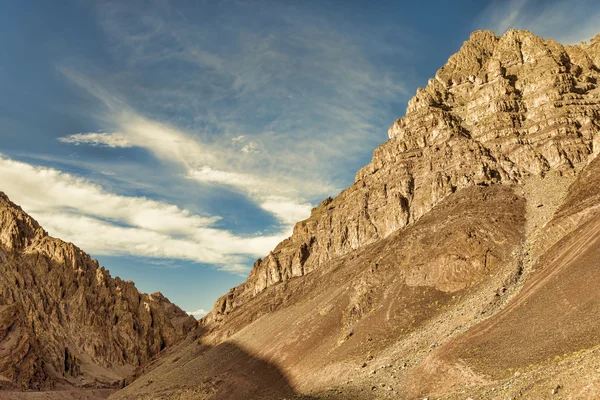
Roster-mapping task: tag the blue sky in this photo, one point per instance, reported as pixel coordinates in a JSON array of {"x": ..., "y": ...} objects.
[{"x": 179, "y": 141}]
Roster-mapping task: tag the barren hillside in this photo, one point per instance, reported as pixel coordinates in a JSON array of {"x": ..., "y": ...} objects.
[
  {"x": 462, "y": 261},
  {"x": 64, "y": 321}
]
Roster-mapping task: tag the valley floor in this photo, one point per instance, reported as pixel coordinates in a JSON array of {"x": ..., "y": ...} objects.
[{"x": 73, "y": 394}]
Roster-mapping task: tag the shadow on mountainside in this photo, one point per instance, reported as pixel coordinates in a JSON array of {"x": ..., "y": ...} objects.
[
  {"x": 240, "y": 375},
  {"x": 223, "y": 372}
]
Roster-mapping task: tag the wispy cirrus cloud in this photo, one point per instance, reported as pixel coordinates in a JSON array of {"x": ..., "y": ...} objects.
[
  {"x": 97, "y": 139},
  {"x": 301, "y": 89},
  {"x": 565, "y": 22},
  {"x": 281, "y": 115}
]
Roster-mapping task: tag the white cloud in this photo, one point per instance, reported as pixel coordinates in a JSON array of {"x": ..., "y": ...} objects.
[
  {"x": 285, "y": 209},
  {"x": 198, "y": 313},
  {"x": 250, "y": 148},
  {"x": 105, "y": 223},
  {"x": 565, "y": 22},
  {"x": 239, "y": 180},
  {"x": 245, "y": 145},
  {"x": 173, "y": 145},
  {"x": 39, "y": 187},
  {"x": 97, "y": 139}
]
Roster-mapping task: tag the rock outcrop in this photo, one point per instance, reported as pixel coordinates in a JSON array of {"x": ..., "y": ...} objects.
[
  {"x": 65, "y": 320},
  {"x": 501, "y": 110}
]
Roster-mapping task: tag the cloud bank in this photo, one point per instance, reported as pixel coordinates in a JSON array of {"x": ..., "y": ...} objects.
[{"x": 105, "y": 223}]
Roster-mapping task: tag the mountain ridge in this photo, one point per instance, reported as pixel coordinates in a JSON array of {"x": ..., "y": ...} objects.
[
  {"x": 535, "y": 128},
  {"x": 64, "y": 320}
]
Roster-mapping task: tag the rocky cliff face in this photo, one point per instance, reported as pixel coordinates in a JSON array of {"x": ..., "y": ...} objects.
[
  {"x": 64, "y": 319},
  {"x": 501, "y": 110}
]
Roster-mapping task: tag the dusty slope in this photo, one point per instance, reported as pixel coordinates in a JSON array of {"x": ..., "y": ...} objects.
[
  {"x": 553, "y": 320},
  {"x": 66, "y": 394},
  {"x": 440, "y": 337},
  {"x": 455, "y": 249},
  {"x": 64, "y": 321},
  {"x": 398, "y": 289}
]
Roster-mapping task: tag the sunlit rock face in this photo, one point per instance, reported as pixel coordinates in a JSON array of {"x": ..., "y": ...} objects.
[
  {"x": 63, "y": 319},
  {"x": 502, "y": 109}
]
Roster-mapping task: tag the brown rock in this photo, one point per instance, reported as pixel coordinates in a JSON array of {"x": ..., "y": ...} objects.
[
  {"x": 65, "y": 319},
  {"x": 500, "y": 110}
]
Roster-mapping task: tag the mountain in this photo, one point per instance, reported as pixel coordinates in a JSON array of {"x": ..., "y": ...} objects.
[
  {"x": 461, "y": 262},
  {"x": 501, "y": 110},
  {"x": 64, "y": 321}
]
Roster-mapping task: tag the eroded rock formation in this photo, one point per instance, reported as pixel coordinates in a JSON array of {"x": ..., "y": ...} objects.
[{"x": 64, "y": 319}]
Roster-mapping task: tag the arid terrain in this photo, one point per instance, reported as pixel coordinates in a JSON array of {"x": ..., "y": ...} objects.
[
  {"x": 64, "y": 322},
  {"x": 461, "y": 263}
]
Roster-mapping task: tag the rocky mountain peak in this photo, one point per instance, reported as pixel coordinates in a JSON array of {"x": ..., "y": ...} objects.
[
  {"x": 502, "y": 109},
  {"x": 17, "y": 229}
]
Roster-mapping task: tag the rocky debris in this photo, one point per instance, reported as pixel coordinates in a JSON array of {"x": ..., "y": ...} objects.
[
  {"x": 501, "y": 110},
  {"x": 63, "y": 318},
  {"x": 556, "y": 389}
]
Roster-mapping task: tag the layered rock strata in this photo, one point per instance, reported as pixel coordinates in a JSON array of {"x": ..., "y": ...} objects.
[{"x": 501, "y": 110}]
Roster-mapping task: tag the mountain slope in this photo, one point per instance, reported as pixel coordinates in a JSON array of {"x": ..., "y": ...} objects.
[
  {"x": 550, "y": 330},
  {"x": 320, "y": 329},
  {"x": 64, "y": 321},
  {"x": 501, "y": 110},
  {"x": 471, "y": 236}
]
